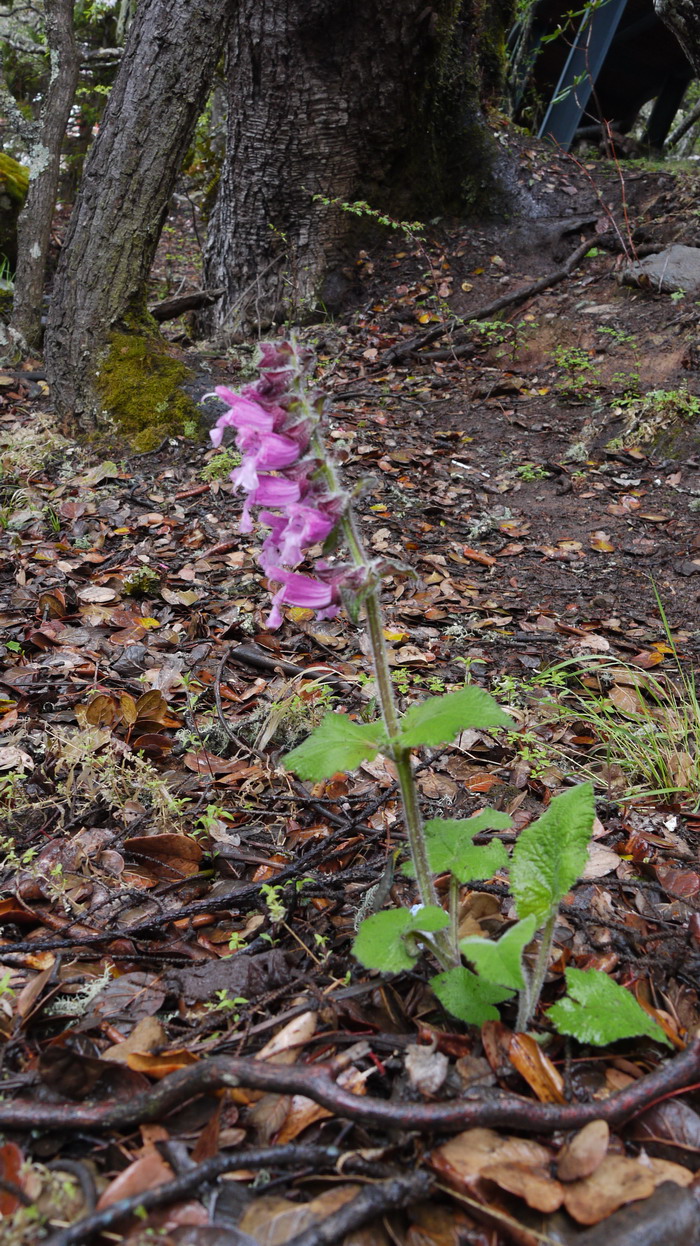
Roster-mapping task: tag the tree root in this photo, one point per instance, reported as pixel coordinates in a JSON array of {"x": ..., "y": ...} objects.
[{"x": 317, "y": 1082}]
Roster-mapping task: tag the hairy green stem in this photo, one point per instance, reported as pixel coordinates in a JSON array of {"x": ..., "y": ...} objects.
[
  {"x": 443, "y": 942},
  {"x": 454, "y": 918},
  {"x": 530, "y": 997}
]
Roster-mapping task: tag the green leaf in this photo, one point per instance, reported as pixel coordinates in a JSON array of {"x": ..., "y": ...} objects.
[
  {"x": 437, "y": 720},
  {"x": 598, "y": 1011},
  {"x": 382, "y": 943},
  {"x": 468, "y": 997},
  {"x": 502, "y": 962},
  {"x": 450, "y": 847},
  {"x": 550, "y": 854},
  {"x": 338, "y": 743}
]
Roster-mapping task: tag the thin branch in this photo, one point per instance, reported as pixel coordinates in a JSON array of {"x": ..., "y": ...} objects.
[
  {"x": 414, "y": 344},
  {"x": 28, "y": 131},
  {"x": 371, "y": 1202},
  {"x": 194, "y": 1180}
]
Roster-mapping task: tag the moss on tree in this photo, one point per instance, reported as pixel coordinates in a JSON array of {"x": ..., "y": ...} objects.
[
  {"x": 140, "y": 386},
  {"x": 14, "y": 182}
]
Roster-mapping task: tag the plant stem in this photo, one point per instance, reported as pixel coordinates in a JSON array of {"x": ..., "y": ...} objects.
[
  {"x": 530, "y": 997},
  {"x": 443, "y": 945},
  {"x": 454, "y": 918}
]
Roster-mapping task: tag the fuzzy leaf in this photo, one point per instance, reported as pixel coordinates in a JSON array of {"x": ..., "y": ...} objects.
[
  {"x": 437, "y": 720},
  {"x": 381, "y": 940},
  {"x": 598, "y": 1011},
  {"x": 502, "y": 961},
  {"x": 468, "y": 997},
  {"x": 338, "y": 743},
  {"x": 550, "y": 854},
  {"x": 450, "y": 847}
]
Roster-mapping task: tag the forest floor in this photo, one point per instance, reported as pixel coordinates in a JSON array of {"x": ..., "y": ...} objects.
[{"x": 178, "y": 911}]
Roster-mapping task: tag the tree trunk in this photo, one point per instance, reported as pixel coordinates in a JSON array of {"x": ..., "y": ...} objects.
[
  {"x": 169, "y": 60},
  {"x": 378, "y": 101},
  {"x": 683, "y": 18},
  {"x": 34, "y": 224}
]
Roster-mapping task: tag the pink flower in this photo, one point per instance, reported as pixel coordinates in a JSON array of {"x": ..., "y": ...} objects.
[
  {"x": 293, "y": 532},
  {"x": 243, "y": 415},
  {"x": 269, "y": 491},
  {"x": 275, "y": 491},
  {"x": 263, "y": 452},
  {"x": 301, "y": 590}
]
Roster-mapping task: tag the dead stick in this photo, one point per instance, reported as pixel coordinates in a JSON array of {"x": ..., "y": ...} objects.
[
  {"x": 414, "y": 344},
  {"x": 194, "y": 1180},
  {"x": 371, "y": 1202},
  {"x": 317, "y": 1082}
]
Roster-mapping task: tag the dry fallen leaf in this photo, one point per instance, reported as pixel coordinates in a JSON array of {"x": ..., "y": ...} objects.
[
  {"x": 426, "y": 1068},
  {"x": 462, "y": 1160},
  {"x": 537, "y": 1069},
  {"x": 147, "y": 1035},
  {"x": 601, "y": 861},
  {"x": 273, "y": 1221},
  {"x": 144, "y": 1174},
  {"x": 582, "y": 1154},
  {"x": 617, "y": 1181},
  {"x": 530, "y": 1183}
]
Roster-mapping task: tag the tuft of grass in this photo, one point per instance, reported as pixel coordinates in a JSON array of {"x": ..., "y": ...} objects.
[{"x": 634, "y": 734}]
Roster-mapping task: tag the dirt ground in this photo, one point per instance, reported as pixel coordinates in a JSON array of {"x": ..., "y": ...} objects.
[{"x": 540, "y": 475}]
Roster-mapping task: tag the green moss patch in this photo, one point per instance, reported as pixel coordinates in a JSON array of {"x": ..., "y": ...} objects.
[
  {"x": 140, "y": 385},
  {"x": 14, "y": 180}
]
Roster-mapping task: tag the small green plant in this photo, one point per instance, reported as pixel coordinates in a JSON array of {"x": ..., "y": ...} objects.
[
  {"x": 412, "y": 229},
  {"x": 504, "y": 337},
  {"x": 619, "y": 336},
  {"x": 581, "y": 373},
  {"x": 401, "y": 678},
  {"x": 142, "y": 583},
  {"x": 532, "y": 471},
  {"x": 293, "y": 716},
  {"x": 549, "y": 856},
  {"x": 647, "y": 416},
  {"x": 209, "y": 820},
  {"x": 273, "y": 902},
  {"x": 223, "y": 1002},
  {"x": 677, "y": 296},
  {"x": 221, "y": 465}
]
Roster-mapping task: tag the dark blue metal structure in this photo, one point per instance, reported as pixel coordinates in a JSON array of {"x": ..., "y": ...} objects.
[
  {"x": 620, "y": 57},
  {"x": 583, "y": 64}
]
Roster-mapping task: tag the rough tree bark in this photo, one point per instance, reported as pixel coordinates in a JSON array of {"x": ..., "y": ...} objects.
[
  {"x": 375, "y": 101},
  {"x": 683, "y": 18},
  {"x": 34, "y": 224},
  {"x": 168, "y": 63}
]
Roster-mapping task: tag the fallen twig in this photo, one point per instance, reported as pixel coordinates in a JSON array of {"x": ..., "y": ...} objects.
[
  {"x": 317, "y": 1082},
  {"x": 194, "y": 1180},
  {"x": 414, "y": 344},
  {"x": 371, "y": 1202},
  {"x": 168, "y": 309}
]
